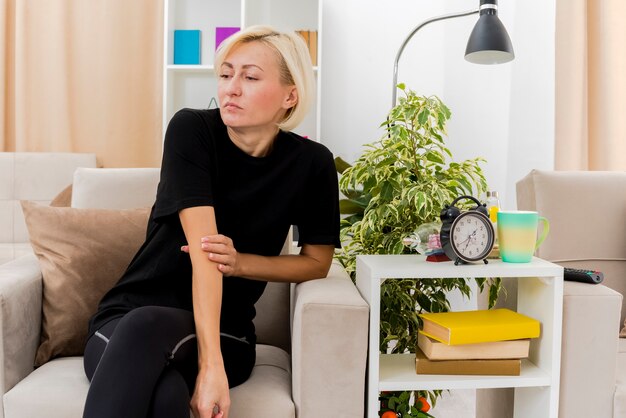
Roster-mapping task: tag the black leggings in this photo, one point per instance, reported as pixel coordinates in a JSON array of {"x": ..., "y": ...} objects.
[{"x": 144, "y": 364}]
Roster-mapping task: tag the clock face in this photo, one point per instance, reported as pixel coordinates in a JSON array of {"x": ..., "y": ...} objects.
[{"x": 472, "y": 236}]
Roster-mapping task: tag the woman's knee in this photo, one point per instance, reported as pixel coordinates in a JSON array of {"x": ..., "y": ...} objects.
[{"x": 239, "y": 359}]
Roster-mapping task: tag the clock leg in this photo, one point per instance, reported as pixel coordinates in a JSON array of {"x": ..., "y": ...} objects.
[{"x": 486, "y": 262}]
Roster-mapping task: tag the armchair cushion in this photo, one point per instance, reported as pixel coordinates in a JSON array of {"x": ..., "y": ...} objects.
[
  {"x": 61, "y": 388},
  {"x": 60, "y": 383},
  {"x": 82, "y": 253}
]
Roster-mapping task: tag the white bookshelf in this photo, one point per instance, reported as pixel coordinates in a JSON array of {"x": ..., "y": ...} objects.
[
  {"x": 194, "y": 85},
  {"x": 540, "y": 296}
]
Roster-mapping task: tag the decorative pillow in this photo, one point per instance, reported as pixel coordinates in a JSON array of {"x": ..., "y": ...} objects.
[
  {"x": 64, "y": 198},
  {"x": 82, "y": 254}
]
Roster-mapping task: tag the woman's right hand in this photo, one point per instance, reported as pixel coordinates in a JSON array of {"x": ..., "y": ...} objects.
[{"x": 211, "y": 398}]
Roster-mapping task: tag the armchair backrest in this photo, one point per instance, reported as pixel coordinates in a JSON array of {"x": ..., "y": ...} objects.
[
  {"x": 125, "y": 188},
  {"x": 587, "y": 214},
  {"x": 35, "y": 176}
]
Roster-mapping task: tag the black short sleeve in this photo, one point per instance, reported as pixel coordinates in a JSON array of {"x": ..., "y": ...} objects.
[
  {"x": 319, "y": 215},
  {"x": 186, "y": 179}
]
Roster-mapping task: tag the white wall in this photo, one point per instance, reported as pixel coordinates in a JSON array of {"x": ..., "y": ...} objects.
[{"x": 504, "y": 113}]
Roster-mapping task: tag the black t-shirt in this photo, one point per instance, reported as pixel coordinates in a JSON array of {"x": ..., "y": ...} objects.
[{"x": 256, "y": 200}]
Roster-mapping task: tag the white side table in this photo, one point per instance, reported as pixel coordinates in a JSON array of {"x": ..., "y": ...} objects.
[{"x": 540, "y": 296}]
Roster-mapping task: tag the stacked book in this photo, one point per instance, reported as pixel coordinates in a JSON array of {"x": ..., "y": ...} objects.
[
  {"x": 482, "y": 342},
  {"x": 310, "y": 38}
]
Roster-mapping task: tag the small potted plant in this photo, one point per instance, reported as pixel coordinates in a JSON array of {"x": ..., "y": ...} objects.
[
  {"x": 399, "y": 183},
  {"x": 398, "y": 405}
]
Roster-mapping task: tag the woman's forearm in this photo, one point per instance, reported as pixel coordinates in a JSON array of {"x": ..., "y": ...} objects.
[
  {"x": 313, "y": 262},
  {"x": 207, "y": 298},
  {"x": 206, "y": 285}
]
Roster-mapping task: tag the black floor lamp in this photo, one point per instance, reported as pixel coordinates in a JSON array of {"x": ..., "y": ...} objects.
[{"x": 489, "y": 42}]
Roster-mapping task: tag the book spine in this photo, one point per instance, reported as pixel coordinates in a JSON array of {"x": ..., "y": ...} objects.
[
  {"x": 500, "y": 367},
  {"x": 310, "y": 39},
  {"x": 313, "y": 46},
  {"x": 490, "y": 350},
  {"x": 222, "y": 33},
  {"x": 470, "y": 367},
  {"x": 187, "y": 47}
]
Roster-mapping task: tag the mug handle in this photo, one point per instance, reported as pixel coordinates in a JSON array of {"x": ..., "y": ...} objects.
[{"x": 544, "y": 232}]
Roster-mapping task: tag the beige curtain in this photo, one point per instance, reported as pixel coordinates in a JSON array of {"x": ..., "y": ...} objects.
[
  {"x": 82, "y": 76},
  {"x": 590, "y": 85}
]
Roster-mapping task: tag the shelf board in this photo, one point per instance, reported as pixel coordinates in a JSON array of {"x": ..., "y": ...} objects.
[
  {"x": 201, "y": 68},
  {"x": 189, "y": 68},
  {"x": 397, "y": 372},
  {"x": 413, "y": 266}
]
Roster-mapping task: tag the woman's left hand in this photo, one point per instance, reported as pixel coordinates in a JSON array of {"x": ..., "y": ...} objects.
[{"x": 220, "y": 250}]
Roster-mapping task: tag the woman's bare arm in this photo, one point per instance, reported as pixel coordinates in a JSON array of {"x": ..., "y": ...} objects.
[
  {"x": 313, "y": 262},
  {"x": 212, "y": 384}
]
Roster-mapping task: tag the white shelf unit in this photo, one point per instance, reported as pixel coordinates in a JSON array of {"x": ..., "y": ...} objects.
[
  {"x": 540, "y": 295},
  {"x": 194, "y": 85}
]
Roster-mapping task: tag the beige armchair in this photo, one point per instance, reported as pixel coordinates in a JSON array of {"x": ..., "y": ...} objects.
[
  {"x": 312, "y": 336},
  {"x": 587, "y": 214}
]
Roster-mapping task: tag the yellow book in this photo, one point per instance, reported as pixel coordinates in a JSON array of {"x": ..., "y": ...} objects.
[{"x": 470, "y": 327}]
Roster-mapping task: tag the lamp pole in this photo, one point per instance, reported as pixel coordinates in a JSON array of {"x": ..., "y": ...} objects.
[{"x": 408, "y": 38}]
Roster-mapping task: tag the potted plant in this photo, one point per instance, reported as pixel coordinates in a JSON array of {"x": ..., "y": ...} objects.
[{"x": 399, "y": 183}]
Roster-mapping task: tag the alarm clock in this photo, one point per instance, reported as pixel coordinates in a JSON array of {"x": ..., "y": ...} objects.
[{"x": 466, "y": 236}]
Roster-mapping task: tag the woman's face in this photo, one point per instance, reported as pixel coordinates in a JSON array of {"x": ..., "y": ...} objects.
[{"x": 250, "y": 91}]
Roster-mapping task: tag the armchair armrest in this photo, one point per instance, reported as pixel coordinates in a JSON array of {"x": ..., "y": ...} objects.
[
  {"x": 20, "y": 319},
  {"x": 329, "y": 347},
  {"x": 591, "y": 315}
]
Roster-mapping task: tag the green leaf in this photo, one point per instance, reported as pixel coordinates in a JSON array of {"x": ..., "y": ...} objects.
[
  {"x": 422, "y": 118},
  {"x": 398, "y": 248},
  {"x": 386, "y": 191},
  {"x": 435, "y": 157},
  {"x": 493, "y": 292},
  {"x": 349, "y": 206},
  {"x": 340, "y": 165},
  {"x": 420, "y": 201},
  {"x": 453, "y": 183},
  {"x": 466, "y": 185}
]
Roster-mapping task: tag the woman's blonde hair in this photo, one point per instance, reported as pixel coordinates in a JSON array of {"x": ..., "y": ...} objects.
[{"x": 295, "y": 64}]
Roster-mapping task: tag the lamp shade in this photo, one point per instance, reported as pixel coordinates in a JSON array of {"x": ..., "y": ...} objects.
[{"x": 489, "y": 42}]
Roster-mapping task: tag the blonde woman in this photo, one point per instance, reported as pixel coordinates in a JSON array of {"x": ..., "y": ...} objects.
[{"x": 176, "y": 331}]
